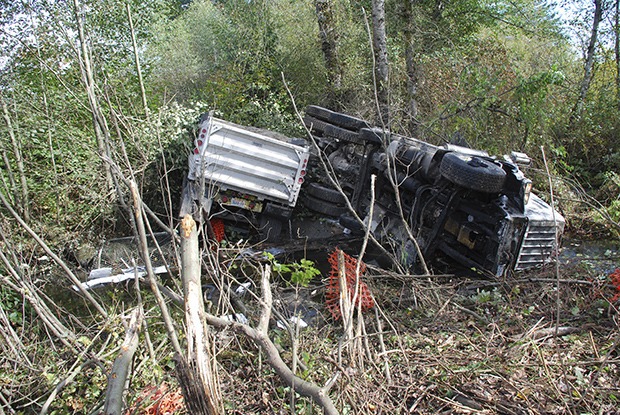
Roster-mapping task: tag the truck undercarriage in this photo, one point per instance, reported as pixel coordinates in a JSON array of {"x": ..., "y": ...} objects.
[{"x": 462, "y": 207}]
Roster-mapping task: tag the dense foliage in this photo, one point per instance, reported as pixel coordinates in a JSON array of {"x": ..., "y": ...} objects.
[{"x": 499, "y": 75}]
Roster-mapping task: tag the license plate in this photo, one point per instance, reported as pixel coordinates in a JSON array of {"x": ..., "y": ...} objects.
[{"x": 242, "y": 203}]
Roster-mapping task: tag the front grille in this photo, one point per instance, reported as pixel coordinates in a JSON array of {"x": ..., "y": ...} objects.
[{"x": 540, "y": 244}]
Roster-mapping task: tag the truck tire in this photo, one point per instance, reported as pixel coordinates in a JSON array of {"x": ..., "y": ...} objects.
[
  {"x": 315, "y": 125},
  {"x": 318, "y": 112},
  {"x": 472, "y": 172},
  {"x": 349, "y": 222},
  {"x": 323, "y": 207},
  {"x": 373, "y": 135},
  {"x": 325, "y": 193},
  {"x": 342, "y": 134},
  {"x": 347, "y": 121}
]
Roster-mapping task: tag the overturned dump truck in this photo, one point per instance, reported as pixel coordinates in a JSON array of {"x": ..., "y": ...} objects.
[
  {"x": 244, "y": 175},
  {"x": 452, "y": 206},
  {"x": 463, "y": 207}
]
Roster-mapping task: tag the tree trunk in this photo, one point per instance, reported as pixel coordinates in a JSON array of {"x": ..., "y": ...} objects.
[
  {"x": 379, "y": 41},
  {"x": 589, "y": 65},
  {"x": 328, "y": 34},
  {"x": 88, "y": 78},
  {"x": 411, "y": 67},
  {"x": 617, "y": 49},
  {"x": 202, "y": 394},
  {"x": 49, "y": 119},
  {"x": 23, "y": 198},
  {"x": 137, "y": 62}
]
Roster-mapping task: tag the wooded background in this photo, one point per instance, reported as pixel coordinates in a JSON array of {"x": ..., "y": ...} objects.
[{"x": 78, "y": 77}]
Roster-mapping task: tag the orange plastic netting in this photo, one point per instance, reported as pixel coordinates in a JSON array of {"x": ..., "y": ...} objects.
[
  {"x": 615, "y": 281},
  {"x": 332, "y": 294},
  {"x": 217, "y": 225},
  {"x": 158, "y": 400}
]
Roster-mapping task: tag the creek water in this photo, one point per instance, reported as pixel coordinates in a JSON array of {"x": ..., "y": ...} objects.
[{"x": 598, "y": 256}]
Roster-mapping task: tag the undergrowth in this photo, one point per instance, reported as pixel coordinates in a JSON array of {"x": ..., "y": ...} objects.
[{"x": 450, "y": 345}]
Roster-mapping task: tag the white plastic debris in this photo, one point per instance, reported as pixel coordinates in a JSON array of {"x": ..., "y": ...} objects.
[
  {"x": 99, "y": 273},
  {"x": 295, "y": 320},
  {"x": 241, "y": 289},
  {"x": 238, "y": 317},
  {"x": 101, "y": 276}
]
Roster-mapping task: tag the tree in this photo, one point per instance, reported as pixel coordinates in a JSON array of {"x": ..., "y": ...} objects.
[
  {"x": 617, "y": 49},
  {"x": 379, "y": 41},
  {"x": 599, "y": 8},
  {"x": 329, "y": 37},
  {"x": 426, "y": 27},
  {"x": 412, "y": 67},
  {"x": 22, "y": 198},
  {"x": 102, "y": 134}
]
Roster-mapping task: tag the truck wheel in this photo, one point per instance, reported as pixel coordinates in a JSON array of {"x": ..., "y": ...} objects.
[
  {"x": 342, "y": 134},
  {"x": 472, "y": 172},
  {"x": 325, "y": 193},
  {"x": 323, "y": 207},
  {"x": 314, "y": 124}
]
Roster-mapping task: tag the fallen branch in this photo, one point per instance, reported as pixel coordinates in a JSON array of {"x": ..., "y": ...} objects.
[
  {"x": 555, "y": 332},
  {"x": 52, "y": 255},
  {"x": 143, "y": 245},
  {"x": 63, "y": 383},
  {"x": 23, "y": 286}
]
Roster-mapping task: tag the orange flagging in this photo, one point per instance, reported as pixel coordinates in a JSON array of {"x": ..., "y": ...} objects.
[
  {"x": 332, "y": 294},
  {"x": 217, "y": 225},
  {"x": 615, "y": 281}
]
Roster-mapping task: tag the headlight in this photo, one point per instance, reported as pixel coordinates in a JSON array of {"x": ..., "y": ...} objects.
[{"x": 526, "y": 190}]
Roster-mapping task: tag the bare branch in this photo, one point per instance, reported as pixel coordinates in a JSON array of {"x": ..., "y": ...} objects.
[
  {"x": 120, "y": 369},
  {"x": 260, "y": 337},
  {"x": 55, "y": 257}
]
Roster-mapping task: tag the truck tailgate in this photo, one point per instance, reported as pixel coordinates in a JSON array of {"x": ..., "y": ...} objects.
[{"x": 233, "y": 157}]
